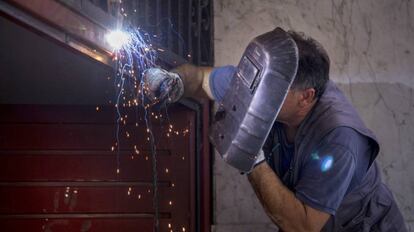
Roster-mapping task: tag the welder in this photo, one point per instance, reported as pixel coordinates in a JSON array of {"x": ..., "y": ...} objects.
[{"x": 310, "y": 159}]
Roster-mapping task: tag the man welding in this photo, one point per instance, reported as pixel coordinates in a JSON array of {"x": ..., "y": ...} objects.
[{"x": 281, "y": 121}]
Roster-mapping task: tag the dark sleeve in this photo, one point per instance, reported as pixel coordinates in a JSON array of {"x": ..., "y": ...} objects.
[
  {"x": 328, "y": 171},
  {"x": 220, "y": 79}
]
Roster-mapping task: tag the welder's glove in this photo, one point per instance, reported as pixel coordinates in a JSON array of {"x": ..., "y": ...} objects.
[
  {"x": 260, "y": 158},
  {"x": 162, "y": 87}
]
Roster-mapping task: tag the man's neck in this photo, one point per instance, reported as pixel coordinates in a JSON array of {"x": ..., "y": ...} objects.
[
  {"x": 292, "y": 126},
  {"x": 290, "y": 133}
]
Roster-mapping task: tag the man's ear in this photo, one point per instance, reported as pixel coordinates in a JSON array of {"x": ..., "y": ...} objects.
[{"x": 307, "y": 97}]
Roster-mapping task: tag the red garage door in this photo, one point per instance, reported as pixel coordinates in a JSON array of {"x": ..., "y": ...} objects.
[{"x": 58, "y": 173}]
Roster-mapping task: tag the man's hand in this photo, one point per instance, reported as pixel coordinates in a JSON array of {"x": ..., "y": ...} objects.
[
  {"x": 162, "y": 87},
  {"x": 281, "y": 204}
]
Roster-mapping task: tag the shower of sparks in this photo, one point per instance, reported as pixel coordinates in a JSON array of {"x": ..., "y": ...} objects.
[{"x": 133, "y": 53}]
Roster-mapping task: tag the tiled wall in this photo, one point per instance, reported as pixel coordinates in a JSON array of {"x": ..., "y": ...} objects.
[{"x": 371, "y": 46}]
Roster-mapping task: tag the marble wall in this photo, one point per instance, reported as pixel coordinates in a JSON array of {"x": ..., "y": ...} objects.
[{"x": 371, "y": 46}]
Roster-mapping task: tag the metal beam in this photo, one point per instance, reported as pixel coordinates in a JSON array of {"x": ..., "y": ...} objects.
[
  {"x": 62, "y": 32},
  {"x": 78, "y": 24}
]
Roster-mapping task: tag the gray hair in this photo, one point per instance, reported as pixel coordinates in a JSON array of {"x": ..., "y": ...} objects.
[{"x": 313, "y": 70}]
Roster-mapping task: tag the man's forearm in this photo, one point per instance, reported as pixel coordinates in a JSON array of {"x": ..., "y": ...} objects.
[
  {"x": 285, "y": 210},
  {"x": 195, "y": 80}
]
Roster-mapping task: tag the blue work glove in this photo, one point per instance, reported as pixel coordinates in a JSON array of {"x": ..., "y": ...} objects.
[{"x": 162, "y": 87}]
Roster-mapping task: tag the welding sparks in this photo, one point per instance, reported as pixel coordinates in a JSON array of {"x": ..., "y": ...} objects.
[
  {"x": 133, "y": 53},
  {"x": 117, "y": 39}
]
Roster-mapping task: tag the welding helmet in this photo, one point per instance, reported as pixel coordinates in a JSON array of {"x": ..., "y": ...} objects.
[{"x": 256, "y": 94}]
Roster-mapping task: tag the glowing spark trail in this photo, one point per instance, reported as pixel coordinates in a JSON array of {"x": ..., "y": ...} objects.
[{"x": 133, "y": 54}]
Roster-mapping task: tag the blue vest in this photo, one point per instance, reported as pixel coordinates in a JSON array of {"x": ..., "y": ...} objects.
[{"x": 369, "y": 206}]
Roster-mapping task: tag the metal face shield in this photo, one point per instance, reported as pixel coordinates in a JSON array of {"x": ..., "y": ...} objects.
[{"x": 255, "y": 97}]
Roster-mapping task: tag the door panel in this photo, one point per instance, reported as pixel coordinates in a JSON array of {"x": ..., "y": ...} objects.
[{"x": 59, "y": 172}]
